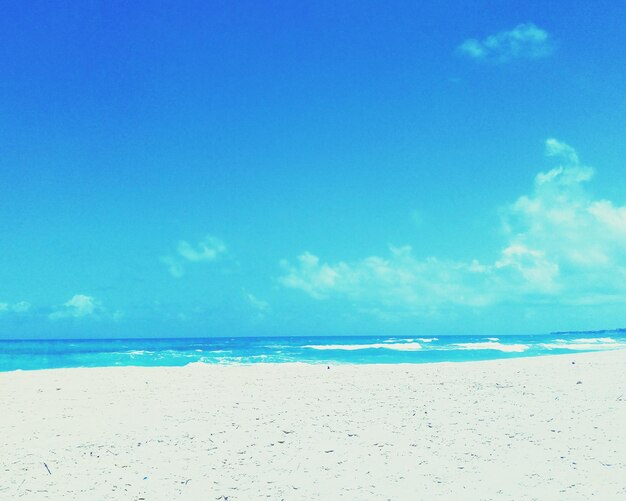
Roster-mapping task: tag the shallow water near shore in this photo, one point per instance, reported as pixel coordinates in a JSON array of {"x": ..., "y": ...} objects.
[{"x": 48, "y": 354}]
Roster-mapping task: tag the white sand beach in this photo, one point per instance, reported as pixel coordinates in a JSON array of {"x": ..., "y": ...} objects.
[{"x": 537, "y": 428}]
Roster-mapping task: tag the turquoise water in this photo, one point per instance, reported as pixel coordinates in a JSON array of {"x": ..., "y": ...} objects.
[{"x": 32, "y": 354}]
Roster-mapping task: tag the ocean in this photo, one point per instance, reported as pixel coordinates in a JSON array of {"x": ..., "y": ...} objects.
[{"x": 50, "y": 354}]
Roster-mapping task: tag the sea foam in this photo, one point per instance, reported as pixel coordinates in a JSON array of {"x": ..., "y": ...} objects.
[
  {"x": 585, "y": 345},
  {"x": 594, "y": 340},
  {"x": 352, "y": 347},
  {"x": 509, "y": 348}
]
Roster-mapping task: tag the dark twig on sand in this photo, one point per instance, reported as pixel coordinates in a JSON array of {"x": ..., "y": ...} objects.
[{"x": 47, "y": 468}]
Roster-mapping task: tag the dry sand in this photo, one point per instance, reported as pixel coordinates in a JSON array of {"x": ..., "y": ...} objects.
[{"x": 540, "y": 428}]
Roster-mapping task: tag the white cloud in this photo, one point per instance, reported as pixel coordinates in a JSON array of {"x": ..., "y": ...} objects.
[
  {"x": 20, "y": 307},
  {"x": 258, "y": 304},
  {"x": 525, "y": 41},
  {"x": 555, "y": 148},
  {"x": 611, "y": 218},
  {"x": 562, "y": 247},
  {"x": 207, "y": 250},
  {"x": 314, "y": 279},
  {"x": 174, "y": 266},
  {"x": 77, "y": 306},
  {"x": 539, "y": 274},
  {"x": 398, "y": 282}
]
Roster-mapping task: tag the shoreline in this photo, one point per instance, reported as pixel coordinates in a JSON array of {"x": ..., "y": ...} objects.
[
  {"x": 331, "y": 363},
  {"x": 536, "y": 427}
]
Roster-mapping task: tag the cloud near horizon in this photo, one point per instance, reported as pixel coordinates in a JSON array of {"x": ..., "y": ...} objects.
[
  {"x": 77, "y": 306},
  {"x": 562, "y": 247},
  {"x": 525, "y": 41}
]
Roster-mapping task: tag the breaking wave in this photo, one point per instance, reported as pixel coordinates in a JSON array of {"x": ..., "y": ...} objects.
[
  {"x": 352, "y": 347},
  {"x": 491, "y": 345},
  {"x": 584, "y": 344}
]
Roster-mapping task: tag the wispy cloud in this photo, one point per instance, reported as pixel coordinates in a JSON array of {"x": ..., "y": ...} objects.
[
  {"x": 525, "y": 41},
  {"x": 555, "y": 148},
  {"x": 562, "y": 247},
  {"x": 259, "y": 309},
  {"x": 19, "y": 307},
  {"x": 174, "y": 266},
  {"x": 258, "y": 304},
  {"x": 396, "y": 284},
  {"x": 77, "y": 306},
  {"x": 207, "y": 250}
]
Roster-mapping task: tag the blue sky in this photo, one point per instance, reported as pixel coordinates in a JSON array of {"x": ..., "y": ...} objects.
[{"x": 275, "y": 168}]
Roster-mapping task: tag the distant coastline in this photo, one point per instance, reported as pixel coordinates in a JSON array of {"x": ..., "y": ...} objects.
[{"x": 621, "y": 330}]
